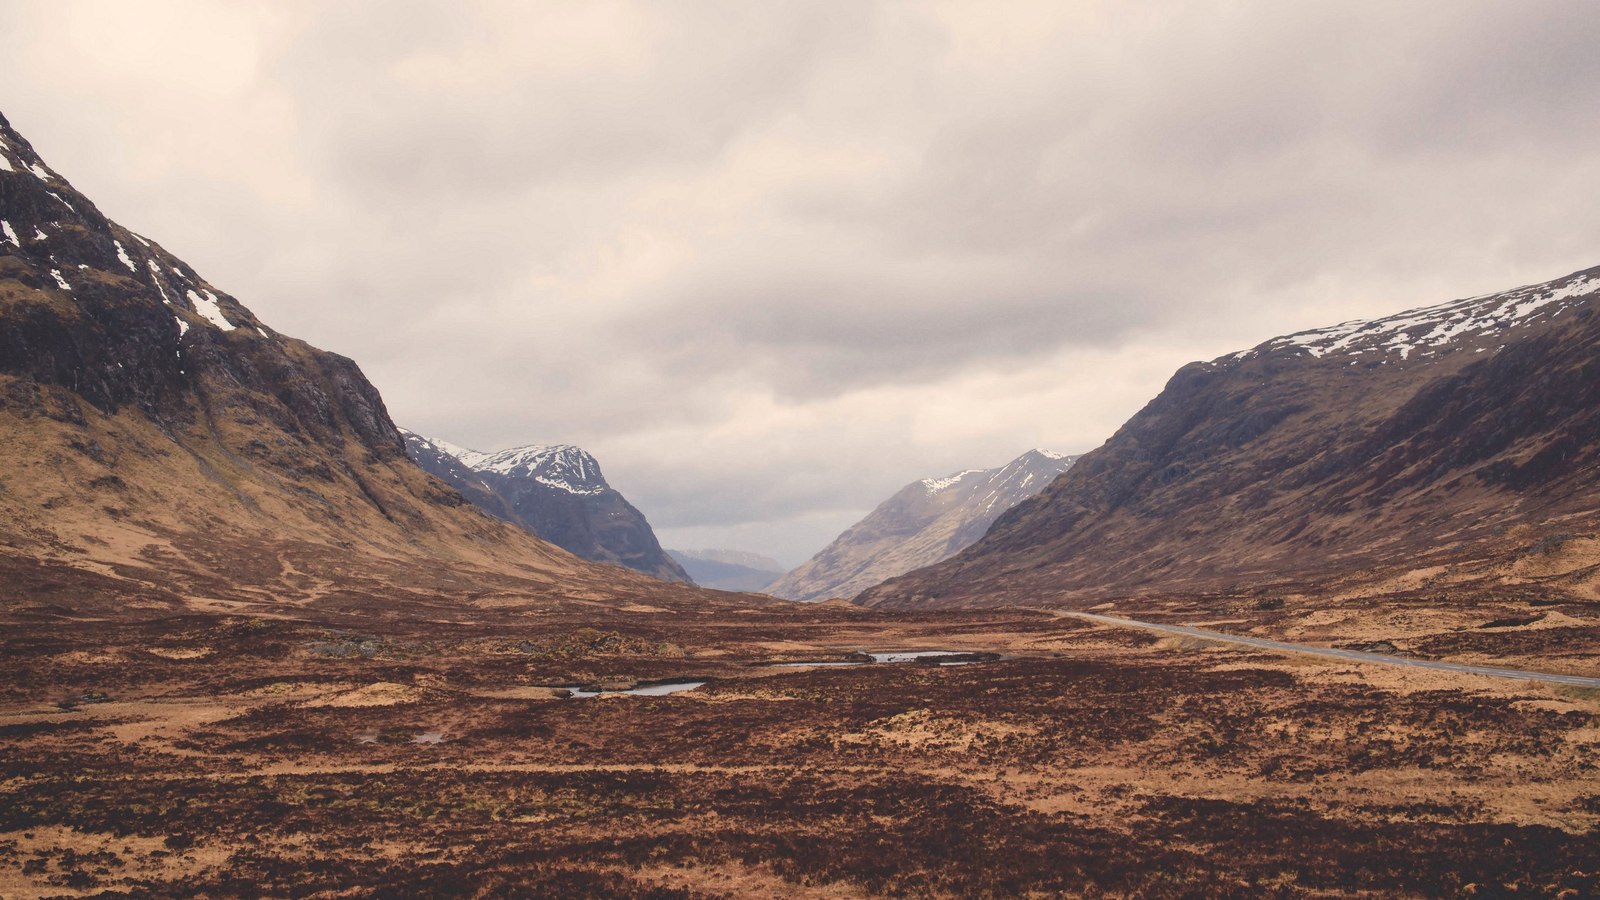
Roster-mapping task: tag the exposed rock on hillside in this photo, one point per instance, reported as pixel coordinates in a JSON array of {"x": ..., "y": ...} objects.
[{"x": 1454, "y": 435}]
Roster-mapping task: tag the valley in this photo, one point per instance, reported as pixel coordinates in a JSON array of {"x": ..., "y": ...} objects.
[
  {"x": 312, "y": 755},
  {"x": 1321, "y": 618}
]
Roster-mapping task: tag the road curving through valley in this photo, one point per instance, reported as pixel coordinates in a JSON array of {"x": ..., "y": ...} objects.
[{"x": 1353, "y": 655}]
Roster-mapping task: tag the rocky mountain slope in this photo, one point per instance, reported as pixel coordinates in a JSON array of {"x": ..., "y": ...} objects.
[
  {"x": 164, "y": 447},
  {"x": 555, "y": 491},
  {"x": 729, "y": 570},
  {"x": 925, "y": 522},
  {"x": 1454, "y": 444},
  {"x": 442, "y": 464}
]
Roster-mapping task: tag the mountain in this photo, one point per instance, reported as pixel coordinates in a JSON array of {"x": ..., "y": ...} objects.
[
  {"x": 925, "y": 522},
  {"x": 555, "y": 491},
  {"x": 443, "y": 464},
  {"x": 745, "y": 558},
  {"x": 729, "y": 570},
  {"x": 165, "y": 448},
  {"x": 1463, "y": 437}
]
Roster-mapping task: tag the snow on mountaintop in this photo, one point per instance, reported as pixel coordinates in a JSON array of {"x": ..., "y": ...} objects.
[
  {"x": 557, "y": 465},
  {"x": 1430, "y": 330},
  {"x": 935, "y": 485},
  {"x": 560, "y": 466},
  {"x": 445, "y": 447}
]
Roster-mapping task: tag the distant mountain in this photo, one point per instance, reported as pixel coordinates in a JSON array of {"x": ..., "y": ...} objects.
[
  {"x": 447, "y": 467},
  {"x": 925, "y": 522},
  {"x": 1459, "y": 441},
  {"x": 757, "y": 561},
  {"x": 729, "y": 570},
  {"x": 165, "y": 449},
  {"x": 555, "y": 491}
]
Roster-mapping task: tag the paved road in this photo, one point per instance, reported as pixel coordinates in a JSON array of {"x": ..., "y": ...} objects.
[{"x": 1355, "y": 655}]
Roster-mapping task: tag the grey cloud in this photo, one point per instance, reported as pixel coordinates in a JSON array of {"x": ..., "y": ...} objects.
[
  {"x": 820, "y": 335},
  {"x": 494, "y": 118},
  {"x": 772, "y": 261}
]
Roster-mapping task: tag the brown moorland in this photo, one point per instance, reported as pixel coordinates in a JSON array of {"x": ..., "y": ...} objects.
[{"x": 388, "y": 751}]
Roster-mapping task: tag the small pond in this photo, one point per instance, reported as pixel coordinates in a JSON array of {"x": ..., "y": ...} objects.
[
  {"x": 867, "y": 658},
  {"x": 644, "y": 690},
  {"x": 897, "y": 656}
]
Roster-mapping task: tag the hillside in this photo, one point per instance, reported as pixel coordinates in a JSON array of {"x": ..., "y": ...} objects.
[
  {"x": 165, "y": 448},
  {"x": 923, "y": 523},
  {"x": 1456, "y": 444}
]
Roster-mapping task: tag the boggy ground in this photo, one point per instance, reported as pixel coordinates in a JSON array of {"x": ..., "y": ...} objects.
[{"x": 218, "y": 755}]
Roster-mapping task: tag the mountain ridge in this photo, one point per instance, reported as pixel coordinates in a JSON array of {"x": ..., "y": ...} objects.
[
  {"x": 924, "y": 522},
  {"x": 1379, "y": 447}
]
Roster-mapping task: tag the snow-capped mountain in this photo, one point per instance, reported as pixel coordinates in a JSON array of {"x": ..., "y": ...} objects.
[
  {"x": 923, "y": 523},
  {"x": 163, "y": 444},
  {"x": 555, "y": 491},
  {"x": 1433, "y": 330},
  {"x": 561, "y": 466},
  {"x": 1438, "y": 436}
]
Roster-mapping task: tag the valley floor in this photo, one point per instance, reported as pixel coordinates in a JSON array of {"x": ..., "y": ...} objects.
[{"x": 225, "y": 755}]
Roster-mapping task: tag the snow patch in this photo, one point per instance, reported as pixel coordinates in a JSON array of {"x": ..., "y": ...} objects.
[
  {"x": 209, "y": 310},
  {"x": 40, "y": 172},
  {"x": 39, "y": 235},
  {"x": 5, "y": 164},
  {"x": 56, "y": 274},
  {"x": 155, "y": 273},
  {"x": 183, "y": 327},
  {"x": 10, "y": 235},
  {"x": 63, "y": 202},
  {"x": 1427, "y": 331},
  {"x": 123, "y": 255},
  {"x": 935, "y": 485},
  {"x": 449, "y": 449}
]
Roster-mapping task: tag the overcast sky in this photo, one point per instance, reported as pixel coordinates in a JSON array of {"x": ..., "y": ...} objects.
[{"x": 771, "y": 261}]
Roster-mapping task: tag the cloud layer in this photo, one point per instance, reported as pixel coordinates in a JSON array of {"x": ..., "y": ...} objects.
[{"x": 769, "y": 262}]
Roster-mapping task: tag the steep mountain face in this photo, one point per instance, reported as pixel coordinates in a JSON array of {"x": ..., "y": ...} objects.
[
  {"x": 557, "y": 492},
  {"x": 728, "y": 570},
  {"x": 1457, "y": 436},
  {"x": 925, "y": 522},
  {"x": 444, "y": 465},
  {"x": 164, "y": 447}
]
